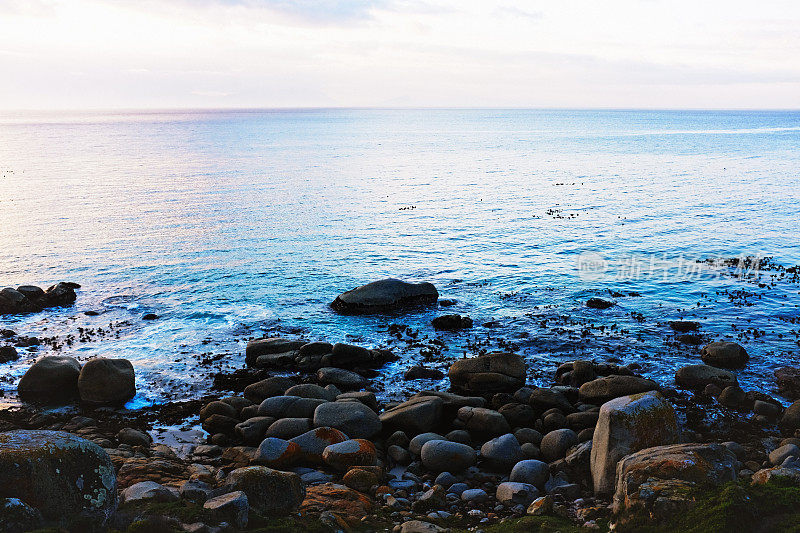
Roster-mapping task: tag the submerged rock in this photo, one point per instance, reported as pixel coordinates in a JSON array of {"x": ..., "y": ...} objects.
[
  {"x": 451, "y": 322},
  {"x": 598, "y": 303},
  {"x": 385, "y": 295},
  {"x": 69, "y": 480},
  {"x": 724, "y": 354},
  {"x": 627, "y": 425},
  {"x": 421, "y": 372},
  {"x": 684, "y": 326}
]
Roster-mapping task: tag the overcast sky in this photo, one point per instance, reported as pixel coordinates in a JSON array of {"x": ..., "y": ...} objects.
[{"x": 286, "y": 53}]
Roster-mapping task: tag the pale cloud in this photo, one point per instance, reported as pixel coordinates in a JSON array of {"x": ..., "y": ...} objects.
[{"x": 265, "y": 53}]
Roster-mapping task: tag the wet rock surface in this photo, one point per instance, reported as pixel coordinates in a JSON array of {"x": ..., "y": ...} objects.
[
  {"x": 385, "y": 295},
  {"x": 308, "y": 431}
]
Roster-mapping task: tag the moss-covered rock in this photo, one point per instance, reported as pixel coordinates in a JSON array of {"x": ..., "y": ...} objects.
[
  {"x": 69, "y": 480},
  {"x": 658, "y": 482}
]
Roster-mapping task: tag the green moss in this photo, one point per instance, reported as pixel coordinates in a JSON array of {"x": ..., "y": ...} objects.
[
  {"x": 289, "y": 524},
  {"x": 183, "y": 510},
  {"x": 735, "y": 506},
  {"x": 537, "y": 524}
]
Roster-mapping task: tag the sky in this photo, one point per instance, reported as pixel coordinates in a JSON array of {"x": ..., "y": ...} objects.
[{"x": 107, "y": 54}]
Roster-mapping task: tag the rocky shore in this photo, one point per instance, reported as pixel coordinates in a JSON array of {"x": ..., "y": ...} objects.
[{"x": 302, "y": 442}]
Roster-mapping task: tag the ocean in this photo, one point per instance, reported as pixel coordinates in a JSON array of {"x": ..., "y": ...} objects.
[{"x": 234, "y": 224}]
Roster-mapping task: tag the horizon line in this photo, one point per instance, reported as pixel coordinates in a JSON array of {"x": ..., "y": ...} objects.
[{"x": 160, "y": 110}]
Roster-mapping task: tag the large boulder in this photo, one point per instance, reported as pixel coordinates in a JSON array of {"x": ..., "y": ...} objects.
[
  {"x": 626, "y": 425},
  {"x": 269, "y": 492},
  {"x": 494, "y": 372},
  {"x": 658, "y": 482},
  {"x": 50, "y": 379},
  {"x": 417, "y": 415},
  {"x": 353, "y": 418},
  {"x": 724, "y": 354},
  {"x": 698, "y": 376},
  {"x": 269, "y": 346},
  {"x": 607, "y": 388},
  {"x": 384, "y": 295},
  {"x": 107, "y": 381},
  {"x": 69, "y": 480}
]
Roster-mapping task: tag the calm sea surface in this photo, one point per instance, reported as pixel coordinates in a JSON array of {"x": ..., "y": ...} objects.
[{"x": 229, "y": 225}]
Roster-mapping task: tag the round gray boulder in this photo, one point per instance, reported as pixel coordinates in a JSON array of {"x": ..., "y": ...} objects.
[
  {"x": 353, "y": 418},
  {"x": 443, "y": 455},
  {"x": 530, "y": 471},
  {"x": 555, "y": 444}
]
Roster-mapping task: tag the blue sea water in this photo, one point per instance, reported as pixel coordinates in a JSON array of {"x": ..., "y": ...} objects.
[{"x": 232, "y": 224}]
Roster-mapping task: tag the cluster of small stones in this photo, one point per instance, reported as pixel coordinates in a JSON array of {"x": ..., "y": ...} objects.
[{"x": 320, "y": 443}]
